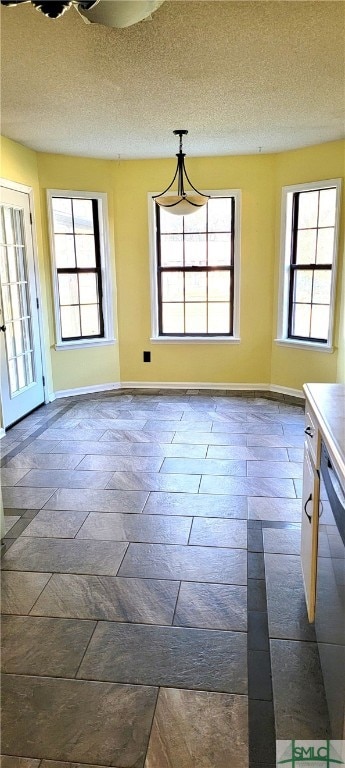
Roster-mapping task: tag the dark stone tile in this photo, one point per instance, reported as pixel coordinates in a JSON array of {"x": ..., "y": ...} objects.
[
  {"x": 299, "y": 695},
  {"x": 41, "y": 646},
  {"x": 64, "y": 478},
  {"x": 26, "y": 498},
  {"x": 257, "y": 595},
  {"x": 19, "y": 591},
  {"x": 43, "y": 715},
  {"x": 196, "y": 505},
  {"x": 259, "y": 675},
  {"x": 197, "y": 728},
  {"x": 258, "y": 631},
  {"x": 144, "y": 601},
  {"x": 248, "y": 486},
  {"x": 265, "y": 508},
  {"x": 17, "y": 529},
  {"x": 97, "y": 501},
  {"x": 217, "y": 532},
  {"x": 255, "y": 541},
  {"x": 204, "y": 564},
  {"x": 262, "y": 738},
  {"x": 8, "y": 761},
  {"x": 154, "y": 481},
  {"x": 167, "y": 656},
  {"x": 65, "y": 556},
  {"x": 62, "y": 525},
  {"x": 287, "y": 612},
  {"x": 212, "y": 606},
  {"x": 256, "y": 565}
]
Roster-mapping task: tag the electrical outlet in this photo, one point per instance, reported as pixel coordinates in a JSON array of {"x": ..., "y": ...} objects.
[{"x": 147, "y": 357}]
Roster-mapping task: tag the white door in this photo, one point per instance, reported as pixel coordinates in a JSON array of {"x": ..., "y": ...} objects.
[{"x": 21, "y": 376}]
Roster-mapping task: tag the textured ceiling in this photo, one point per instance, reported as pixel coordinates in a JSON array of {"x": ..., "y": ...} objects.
[{"x": 239, "y": 75}]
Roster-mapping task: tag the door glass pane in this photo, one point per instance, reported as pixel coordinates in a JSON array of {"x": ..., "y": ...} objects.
[
  {"x": 196, "y": 286},
  {"x": 21, "y": 267},
  {"x": 196, "y": 318},
  {"x": 306, "y": 246},
  {"x": 327, "y": 207},
  {"x": 219, "y": 286},
  {"x": 219, "y": 249},
  {"x": 85, "y": 249},
  {"x": 173, "y": 318},
  {"x": 18, "y": 337},
  {"x": 12, "y": 264},
  {"x": 307, "y": 210},
  {"x": 3, "y": 265},
  {"x": 12, "y": 371},
  {"x": 172, "y": 249},
  {"x": 89, "y": 320},
  {"x": 68, "y": 289},
  {"x": 29, "y": 368},
  {"x": 83, "y": 217},
  {"x": 2, "y": 227},
  {"x": 64, "y": 250},
  {"x": 219, "y": 214},
  {"x": 88, "y": 289},
  {"x": 9, "y": 336},
  {"x": 21, "y": 372},
  {"x": 172, "y": 286},
  {"x": 62, "y": 214},
  {"x": 9, "y": 231},
  {"x": 18, "y": 226},
  {"x": 219, "y": 317},
  {"x": 6, "y": 303},
  {"x": 15, "y": 298},
  {"x": 195, "y": 250},
  {"x": 70, "y": 322}
]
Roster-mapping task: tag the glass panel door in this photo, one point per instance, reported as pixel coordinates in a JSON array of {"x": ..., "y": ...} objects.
[{"x": 21, "y": 369}]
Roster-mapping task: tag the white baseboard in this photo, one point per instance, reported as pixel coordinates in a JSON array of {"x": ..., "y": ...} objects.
[
  {"x": 221, "y": 386},
  {"x": 2, "y": 432},
  {"x": 84, "y": 390},
  {"x": 286, "y": 391},
  {"x": 190, "y": 385}
]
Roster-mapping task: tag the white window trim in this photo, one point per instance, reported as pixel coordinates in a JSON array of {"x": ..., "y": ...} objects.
[
  {"x": 155, "y": 337},
  {"x": 107, "y": 281},
  {"x": 283, "y": 294}
]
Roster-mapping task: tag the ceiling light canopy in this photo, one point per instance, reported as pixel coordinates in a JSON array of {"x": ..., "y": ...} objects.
[
  {"x": 184, "y": 202},
  {"x": 110, "y": 13}
]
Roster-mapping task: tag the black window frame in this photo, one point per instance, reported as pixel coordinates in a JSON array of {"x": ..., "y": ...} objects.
[
  {"x": 294, "y": 267},
  {"x": 97, "y": 269},
  {"x": 195, "y": 269}
]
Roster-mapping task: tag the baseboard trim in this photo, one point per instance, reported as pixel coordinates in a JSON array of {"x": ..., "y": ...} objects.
[
  {"x": 192, "y": 385},
  {"x": 220, "y": 386},
  {"x": 84, "y": 390}
]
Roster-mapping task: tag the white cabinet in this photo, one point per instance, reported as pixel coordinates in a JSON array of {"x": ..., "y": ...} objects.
[{"x": 309, "y": 529}]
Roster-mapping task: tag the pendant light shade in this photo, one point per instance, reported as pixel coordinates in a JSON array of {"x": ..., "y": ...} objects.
[{"x": 184, "y": 202}]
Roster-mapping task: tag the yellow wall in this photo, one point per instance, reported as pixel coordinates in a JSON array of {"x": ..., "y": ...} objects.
[
  {"x": 96, "y": 365},
  {"x": 248, "y": 362},
  {"x": 293, "y": 367},
  {"x": 257, "y": 359}
]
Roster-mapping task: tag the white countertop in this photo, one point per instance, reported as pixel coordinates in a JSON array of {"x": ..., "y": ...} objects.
[{"x": 328, "y": 404}]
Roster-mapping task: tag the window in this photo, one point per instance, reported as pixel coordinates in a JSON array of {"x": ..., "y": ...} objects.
[
  {"x": 83, "y": 309},
  {"x": 195, "y": 268},
  {"x": 310, "y": 226}
]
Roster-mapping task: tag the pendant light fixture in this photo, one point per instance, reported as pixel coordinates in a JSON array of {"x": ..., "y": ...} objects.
[{"x": 184, "y": 202}]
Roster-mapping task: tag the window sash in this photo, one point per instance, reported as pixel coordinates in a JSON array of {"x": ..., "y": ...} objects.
[
  {"x": 296, "y": 267},
  {"x": 183, "y": 269},
  {"x": 97, "y": 270}
]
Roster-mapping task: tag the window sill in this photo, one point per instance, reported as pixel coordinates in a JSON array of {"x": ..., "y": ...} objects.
[
  {"x": 195, "y": 340},
  {"x": 62, "y": 346},
  {"x": 312, "y": 346}
]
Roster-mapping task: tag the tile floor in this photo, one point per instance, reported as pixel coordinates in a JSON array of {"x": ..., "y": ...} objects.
[{"x": 153, "y": 605}]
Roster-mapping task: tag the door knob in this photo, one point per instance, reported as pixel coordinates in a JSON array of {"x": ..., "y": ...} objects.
[{"x": 3, "y": 328}]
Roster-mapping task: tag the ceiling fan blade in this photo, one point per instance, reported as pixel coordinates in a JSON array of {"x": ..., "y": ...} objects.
[
  {"x": 13, "y": 2},
  {"x": 119, "y": 13}
]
